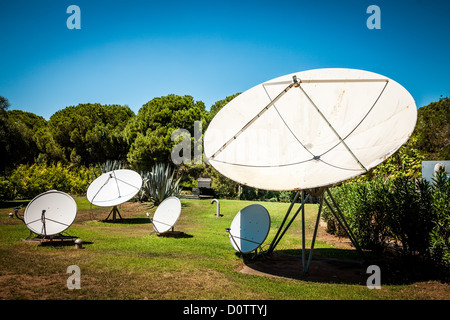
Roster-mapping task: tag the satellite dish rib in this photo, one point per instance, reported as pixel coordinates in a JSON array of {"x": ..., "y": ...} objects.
[
  {"x": 271, "y": 103},
  {"x": 308, "y": 130},
  {"x": 249, "y": 228},
  {"x": 113, "y": 188}
]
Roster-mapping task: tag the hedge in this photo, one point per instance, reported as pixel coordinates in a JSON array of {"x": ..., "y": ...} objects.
[
  {"x": 27, "y": 181},
  {"x": 411, "y": 214}
]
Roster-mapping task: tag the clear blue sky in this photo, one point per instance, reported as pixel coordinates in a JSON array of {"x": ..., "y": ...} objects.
[{"x": 128, "y": 52}]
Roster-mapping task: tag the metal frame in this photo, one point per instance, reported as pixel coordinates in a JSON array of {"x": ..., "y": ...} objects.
[
  {"x": 239, "y": 248},
  {"x": 259, "y": 244},
  {"x": 320, "y": 193},
  {"x": 271, "y": 103},
  {"x": 114, "y": 211},
  {"x": 296, "y": 83},
  {"x": 44, "y": 236},
  {"x": 156, "y": 229}
]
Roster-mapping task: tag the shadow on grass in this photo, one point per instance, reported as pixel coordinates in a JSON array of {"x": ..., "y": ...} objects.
[
  {"x": 62, "y": 243},
  {"x": 13, "y": 203},
  {"x": 174, "y": 234},
  {"x": 326, "y": 266},
  {"x": 56, "y": 241},
  {"x": 127, "y": 221},
  {"x": 332, "y": 265}
]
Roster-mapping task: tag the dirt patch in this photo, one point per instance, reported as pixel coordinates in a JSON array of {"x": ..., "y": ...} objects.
[
  {"x": 338, "y": 242},
  {"x": 128, "y": 211}
]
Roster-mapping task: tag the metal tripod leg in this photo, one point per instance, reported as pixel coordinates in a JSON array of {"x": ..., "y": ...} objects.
[
  {"x": 341, "y": 220},
  {"x": 114, "y": 212},
  {"x": 320, "y": 192},
  {"x": 306, "y": 268},
  {"x": 280, "y": 233}
]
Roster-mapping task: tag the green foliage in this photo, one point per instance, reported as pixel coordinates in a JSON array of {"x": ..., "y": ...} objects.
[
  {"x": 223, "y": 187},
  {"x": 360, "y": 204},
  {"x": 87, "y": 133},
  {"x": 189, "y": 173},
  {"x": 110, "y": 165},
  {"x": 440, "y": 234},
  {"x": 432, "y": 132},
  {"x": 249, "y": 193},
  {"x": 149, "y": 133},
  {"x": 18, "y": 137},
  {"x": 27, "y": 181},
  {"x": 411, "y": 213},
  {"x": 159, "y": 184},
  {"x": 4, "y": 104}
]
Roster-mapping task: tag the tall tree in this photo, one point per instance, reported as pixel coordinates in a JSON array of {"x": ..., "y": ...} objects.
[
  {"x": 18, "y": 136},
  {"x": 150, "y": 132},
  {"x": 4, "y": 103},
  {"x": 89, "y": 133},
  {"x": 432, "y": 132}
]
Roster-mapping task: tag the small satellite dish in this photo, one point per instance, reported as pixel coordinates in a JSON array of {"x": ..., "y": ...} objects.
[
  {"x": 114, "y": 187},
  {"x": 166, "y": 215},
  {"x": 310, "y": 129},
  {"x": 50, "y": 213},
  {"x": 249, "y": 228}
]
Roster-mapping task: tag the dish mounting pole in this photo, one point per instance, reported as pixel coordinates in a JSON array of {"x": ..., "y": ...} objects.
[
  {"x": 44, "y": 229},
  {"x": 114, "y": 211},
  {"x": 318, "y": 193}
]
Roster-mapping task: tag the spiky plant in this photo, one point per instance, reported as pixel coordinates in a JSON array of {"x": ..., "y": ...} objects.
[
  {"x": 108, "y": 166},
  {"x": 160, "y": 184}
]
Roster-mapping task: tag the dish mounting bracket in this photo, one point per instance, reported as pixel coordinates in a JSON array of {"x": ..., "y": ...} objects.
[
  {"x": 319, "y": 194},
  {"x": 114, "y": 211}
]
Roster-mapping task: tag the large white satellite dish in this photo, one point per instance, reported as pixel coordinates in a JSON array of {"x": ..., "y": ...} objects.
[
  {"x": 50, "y": 213},
  {"x": 310, "y": 129},
  {"x": 166, "y": 215},
  {"x": 249, "y": 228},
  {"x": 113, "y": 188}
]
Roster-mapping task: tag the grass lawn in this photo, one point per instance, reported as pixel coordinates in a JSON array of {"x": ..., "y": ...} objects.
[{"x": 128, "y": 260}]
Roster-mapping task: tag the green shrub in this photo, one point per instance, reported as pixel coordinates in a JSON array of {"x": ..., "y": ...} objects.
[
  {"x": 159, "y": 184},
  {"x": 440, "y": 234},
  {"x": 361, "y": 205},
  {"x": 27, "y": 181},
  {"x": 409, "y": 212}
]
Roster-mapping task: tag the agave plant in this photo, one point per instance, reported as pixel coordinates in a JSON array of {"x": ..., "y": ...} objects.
[
  {"x": 108, "y": 166},
  {"x": 159, "y": 184}
]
